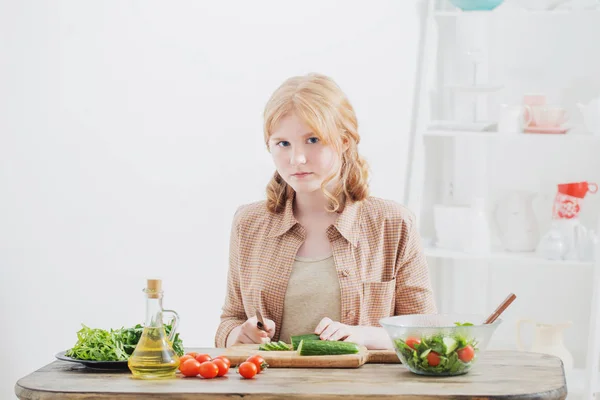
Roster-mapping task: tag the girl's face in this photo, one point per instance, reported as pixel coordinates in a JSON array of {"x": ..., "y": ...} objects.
[{"x": 300, "y": 157}]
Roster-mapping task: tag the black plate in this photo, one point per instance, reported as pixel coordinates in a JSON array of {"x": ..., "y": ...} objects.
[{"x": 99, "y": 365}]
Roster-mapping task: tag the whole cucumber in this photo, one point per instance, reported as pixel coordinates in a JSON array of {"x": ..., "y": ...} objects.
[{"x": 326, "y": 348}]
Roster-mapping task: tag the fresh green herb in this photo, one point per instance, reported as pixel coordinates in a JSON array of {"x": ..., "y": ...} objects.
[
  {"x": 463, "y": 324},
  {"x": 114, "y": 345}
]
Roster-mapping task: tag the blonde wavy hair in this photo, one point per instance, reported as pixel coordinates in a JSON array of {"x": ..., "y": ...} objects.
[{"x": 321, "y": 104}]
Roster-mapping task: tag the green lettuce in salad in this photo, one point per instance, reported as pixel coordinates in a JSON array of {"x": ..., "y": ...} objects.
[{"x": 440, "y": 354}]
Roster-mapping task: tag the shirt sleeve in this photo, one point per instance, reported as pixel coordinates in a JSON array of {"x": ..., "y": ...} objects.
[
  {"x": 233, "y": 313},
  {"x": 414, "y": 294}
]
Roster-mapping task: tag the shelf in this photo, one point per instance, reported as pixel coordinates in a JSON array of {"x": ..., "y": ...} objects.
[
  {"x": 483, "y": 88},
  {"x": 513, "y": 136},
  {"x": 495, "y": 256},
  {"x": 512, "y": 13}
]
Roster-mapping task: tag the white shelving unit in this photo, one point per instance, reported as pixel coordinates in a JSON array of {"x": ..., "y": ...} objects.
[
  {"x": 520, "y": 258},
  {"x": 430, "y": 174}
]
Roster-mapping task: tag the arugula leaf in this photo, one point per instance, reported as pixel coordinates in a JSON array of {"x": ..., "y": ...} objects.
[
  {"x": 97, "y": 345},
  {"x": 114, "y": 345}
]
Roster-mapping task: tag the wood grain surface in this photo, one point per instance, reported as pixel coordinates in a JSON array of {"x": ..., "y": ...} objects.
[{"x": 498, "y": 375}]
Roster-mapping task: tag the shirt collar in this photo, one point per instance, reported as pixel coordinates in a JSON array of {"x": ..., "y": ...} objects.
[
  {"x": 285, "y": 220},
  {"x": 347, "y": 224}
]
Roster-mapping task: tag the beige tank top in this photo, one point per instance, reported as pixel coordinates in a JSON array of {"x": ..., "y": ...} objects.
[{"x": 313, "y": 292}]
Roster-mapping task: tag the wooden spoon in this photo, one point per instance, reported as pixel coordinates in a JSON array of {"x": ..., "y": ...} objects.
[{"x": 511, "y": 297}]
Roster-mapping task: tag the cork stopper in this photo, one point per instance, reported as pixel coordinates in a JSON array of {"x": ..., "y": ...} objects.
[{"x": 154, "y": 288}]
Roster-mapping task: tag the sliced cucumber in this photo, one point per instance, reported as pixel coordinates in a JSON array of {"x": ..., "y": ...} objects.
[
  {"x": 326, "y": 348},
  {"x": 267, "y": 347},
  {"x": 283, "y": 346},
  {"x": 449, "y": 344},
  {"x": 274, "y": 346}
]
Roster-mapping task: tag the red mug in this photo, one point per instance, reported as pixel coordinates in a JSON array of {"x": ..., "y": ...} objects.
[
  {"x": 568, "y": 200},
  {"x": 577, "y": 189},
  {"x": 565, "y": 206}
]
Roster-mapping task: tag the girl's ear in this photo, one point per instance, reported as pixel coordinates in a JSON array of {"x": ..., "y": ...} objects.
[{"x": 345, "y": 144}]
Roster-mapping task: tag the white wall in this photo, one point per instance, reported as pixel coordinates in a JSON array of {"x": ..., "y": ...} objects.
[{"x": 130, "y": 132}]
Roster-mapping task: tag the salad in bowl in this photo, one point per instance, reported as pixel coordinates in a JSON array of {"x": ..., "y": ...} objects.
[{"x": 439, "y": 344}]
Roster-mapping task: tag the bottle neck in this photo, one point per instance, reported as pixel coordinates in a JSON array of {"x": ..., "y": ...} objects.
[{"x": 154, "y": 312}]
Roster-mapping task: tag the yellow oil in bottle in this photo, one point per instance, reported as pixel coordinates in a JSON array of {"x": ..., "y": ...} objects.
[{"x": 154, "y": 357}]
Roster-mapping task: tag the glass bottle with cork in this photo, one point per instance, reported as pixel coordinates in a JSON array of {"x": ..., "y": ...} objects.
[{"x": 154, "y": 357}]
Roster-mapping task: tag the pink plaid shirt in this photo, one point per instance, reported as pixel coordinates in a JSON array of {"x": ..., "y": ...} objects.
[{"x": 377, "y": 252}]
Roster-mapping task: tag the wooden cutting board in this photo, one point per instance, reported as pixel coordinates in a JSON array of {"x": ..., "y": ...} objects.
[{"x": 290, "y": 359}]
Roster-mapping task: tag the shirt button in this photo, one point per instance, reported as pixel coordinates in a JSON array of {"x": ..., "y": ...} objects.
[
  {"x": 346, "y": 273},
  {"x": 351, "y": 313}
]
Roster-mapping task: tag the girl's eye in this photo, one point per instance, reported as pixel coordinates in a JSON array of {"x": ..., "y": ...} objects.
[
  {"x": 283, "y": 143},
  {"x": 313, "y": 140}
]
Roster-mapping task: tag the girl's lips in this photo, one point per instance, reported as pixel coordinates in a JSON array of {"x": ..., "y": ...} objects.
[{"x": 301, "y": 174}]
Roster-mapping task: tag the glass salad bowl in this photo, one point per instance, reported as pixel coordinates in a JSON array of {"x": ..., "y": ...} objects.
[{"x": 439, "y": 344}]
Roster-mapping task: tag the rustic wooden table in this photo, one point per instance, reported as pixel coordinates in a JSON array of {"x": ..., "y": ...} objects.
[{"x": 498, "y": 375}]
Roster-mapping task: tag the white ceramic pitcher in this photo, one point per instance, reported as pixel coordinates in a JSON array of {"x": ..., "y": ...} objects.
[{"x": 548, "y": 339}]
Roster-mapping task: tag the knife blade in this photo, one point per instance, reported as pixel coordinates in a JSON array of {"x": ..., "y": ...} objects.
[{"x": 261, "y": 322}]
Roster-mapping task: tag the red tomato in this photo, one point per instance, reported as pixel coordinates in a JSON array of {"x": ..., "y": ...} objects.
[
  {"x": 412, "y": 342},
  {"x": 209, "y": 370},
  {"x": 433, "y": 359},
  {"x": 190, "y": 367},
  {"x": 192, "y": 353},
  {"x": 260, "y": 363},
  {"x": 202, "y": 358},
  {"x": 466, "y": 354},
  {"x": 224, "y": 359},
  {"x": 183, "y": 359},
  {"x": 223, "y": 367},
  {"x": 247, "y": 369}
]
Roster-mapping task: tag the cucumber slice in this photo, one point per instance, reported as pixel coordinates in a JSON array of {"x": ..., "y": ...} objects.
[
  {"x": 449, "y": 344},
  {"x": 283, "y": 346},
  {"x": 274, "y": 346}
]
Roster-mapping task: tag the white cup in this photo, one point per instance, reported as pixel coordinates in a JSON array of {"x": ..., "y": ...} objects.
[{"x": 513, "y": 118}]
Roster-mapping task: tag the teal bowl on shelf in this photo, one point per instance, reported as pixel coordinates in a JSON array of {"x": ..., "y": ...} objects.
[{"x": 476, "y": 5}]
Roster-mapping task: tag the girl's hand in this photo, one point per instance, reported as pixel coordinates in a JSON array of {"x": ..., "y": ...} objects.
[
  {"x": 249, "y": 333},
  {"x": 333, "y": 330}
]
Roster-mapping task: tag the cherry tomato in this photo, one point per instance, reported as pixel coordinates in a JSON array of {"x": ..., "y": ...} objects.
[
  {"x": 466, "y": 354},
  {"x": 260, "y": 363},
  {"x": 223, "y": 367},
  {"x": 433, "y": 359},
  {"x": 202, "y": 358},
  {"x": 247, "y": 369},
  {"x": 209, "y": 370},
  {"x": 192, "y": 353},
  {"x": 224, "y": 359},
  {"x": 183, "y": 359},
  {"x": 412, "y": 342},
  {"x": 190, "y": 367}
]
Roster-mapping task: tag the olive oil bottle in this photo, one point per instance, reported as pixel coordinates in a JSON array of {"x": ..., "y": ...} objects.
[{"x": 154, "y": 357}]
